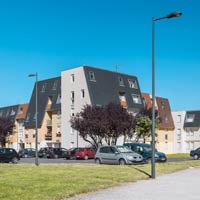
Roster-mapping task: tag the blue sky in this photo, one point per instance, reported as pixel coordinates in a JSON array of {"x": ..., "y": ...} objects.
[{"x": 48, "y": 36}]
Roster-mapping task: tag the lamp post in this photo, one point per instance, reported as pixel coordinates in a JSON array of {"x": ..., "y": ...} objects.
[
  {"x": 171, "y": 15},
  {"x": 36, "y": 117}
]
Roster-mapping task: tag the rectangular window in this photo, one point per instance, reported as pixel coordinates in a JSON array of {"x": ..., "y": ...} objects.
[
  {"x": 72, "y": 78},
  {"x": 91, "y": 76},
  {"x": 178, "y": 119},
  {"x": 58, "y": 101},
  {"x": 122, "y": 99},
  {"x": 28, "y": 117},
  {"x": 55, "y": 85},
  {"x": 162, "y": 105},
  {"x": 82, "y": 93},
  {"x": 44, "y": 87},
  {"x": 136, "y": 99},
  {"x": 1, "y": 113},
  {"x": 191, "y": 132},
  {"x": 166, "y": 119},
  {"x": 189, "y": 118},
  {"x": 72, "y": 97},
  {"x": 178, "y": 134},
  {"x": 166, "y": 136},
  {"x": 121, "y": 82},
  {"x": 7, "y": 113},
  {"x": 132, "y": 83}
]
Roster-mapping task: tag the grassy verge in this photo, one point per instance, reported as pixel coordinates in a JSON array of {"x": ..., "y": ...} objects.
[
  {"x": 59, "y": 181},
  {"x": 178, "y": 155}
]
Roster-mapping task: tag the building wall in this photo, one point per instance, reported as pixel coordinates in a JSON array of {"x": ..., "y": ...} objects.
[{"x": 70, "y": 137}]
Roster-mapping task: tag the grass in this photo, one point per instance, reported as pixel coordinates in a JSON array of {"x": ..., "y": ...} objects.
[
  {"x": 58, "y": 181},
  {"x": 178, "y": 155}
]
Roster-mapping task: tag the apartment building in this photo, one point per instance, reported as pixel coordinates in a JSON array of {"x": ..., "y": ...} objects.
[
  {"x": 165, "y": 132},
  {"x": 187, "y": 130},
  {"x": 16, "y": 113},
  {"x": 89, "y": 85},
  {"x": 49, "y": 115}
]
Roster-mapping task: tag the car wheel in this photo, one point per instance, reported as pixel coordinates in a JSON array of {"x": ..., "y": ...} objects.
[
  {"x": 86, "y": 157},
  {"x": 25, "y": 156},
  {"x": 97, "y": 161},
  {"x": 56, "y": 156},
  {"x": 15, "y": 160},
  {"x": 122, "y": 162},
  {"x": 196, "y": 157}
]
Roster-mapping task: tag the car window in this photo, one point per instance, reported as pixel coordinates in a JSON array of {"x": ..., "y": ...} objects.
[
  {"x": 123, "y": 149},
  {"x": 104, "y": 150},
  {"x": 113, "y": 150}
]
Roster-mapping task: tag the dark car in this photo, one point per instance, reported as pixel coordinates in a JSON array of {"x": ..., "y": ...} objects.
[
  {"x": 71, "y": 153},
  {"x": 195, "y": 153},
  {"x": 56, "y": 153},
  {"x": 146, "y": 151},
  {"x": 26, "y": 153},
  {"x": 85, "y": 153},
  {"x": 9, "y": 155},
  {"x": 42, "y": 153}
]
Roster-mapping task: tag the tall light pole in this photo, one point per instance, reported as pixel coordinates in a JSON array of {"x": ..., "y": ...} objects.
[
  {"x": 36, "y": 117},
  {"x": 171, "y": 15}
]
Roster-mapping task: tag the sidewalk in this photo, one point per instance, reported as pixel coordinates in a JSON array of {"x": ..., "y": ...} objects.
[{"x": 182, "y": 185}]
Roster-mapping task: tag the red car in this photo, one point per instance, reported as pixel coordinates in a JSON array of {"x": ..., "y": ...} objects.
[{"x": 85, "y": 153}]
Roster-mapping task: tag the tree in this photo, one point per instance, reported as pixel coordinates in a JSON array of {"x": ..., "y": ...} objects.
[
  {"x": 103, "y": 124},
  {"x": 144, "y": 124},
  {"x": 6, "y": 126}
]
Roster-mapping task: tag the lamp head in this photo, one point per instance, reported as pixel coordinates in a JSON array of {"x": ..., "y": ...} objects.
[{"x": 174, "y": 14}]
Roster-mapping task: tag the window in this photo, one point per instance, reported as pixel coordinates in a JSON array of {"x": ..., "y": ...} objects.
[
  {"x": 44, "y": 87},
  {"x": 178, "y": 145},
  {"x": 20, "y": 111},
  {"x": 55, "y": 85},
  {"x": 72, "y": 97},
  {"x": 162, "y": 105},
  {"x": 7, "y": 113},
  {"x": 1, "y": 113},
  {"x": 58, "y": 101},
  {"x": 166, "y": 136},
  {"x": 35, "y": 115},
  {"x": 136, "y": 98},
  {"x": 132, "y": 83},
  {"x": 82, "y": 93},
  {"x": 178, "y": 134},
  {"x": 121, "y": 82},
  {"x": 189, "y": 118},
  {"x": 191, "y": 132},
  {"x": 72, "y": 78},
  {"x": 12, "y": 112},
  {"x": 166, "y": 119},
  {"x": 191, "y": 145},
  {"x": 28, "y": 117},
  {"x": 91, "y": 76},
  {"x": 72, "y": 112},
  {"x": 122, "y": 99},
  {"x": 178, "y": 119}
]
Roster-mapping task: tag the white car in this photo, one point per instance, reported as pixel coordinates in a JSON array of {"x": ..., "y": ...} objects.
[{"x": 120, "y": 155}]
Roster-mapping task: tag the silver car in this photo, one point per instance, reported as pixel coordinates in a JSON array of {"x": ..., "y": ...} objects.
[{"x": 120, "y": 155}]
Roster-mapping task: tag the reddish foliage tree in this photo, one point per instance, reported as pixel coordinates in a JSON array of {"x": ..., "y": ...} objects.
[
  {"x": 6, "y": 126},
  {"x": 103, "y": 124}
]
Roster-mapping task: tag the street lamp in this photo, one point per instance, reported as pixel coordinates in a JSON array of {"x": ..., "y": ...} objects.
[
  {"x": 36, "y": 117},
  {"x": 171, "y": 15}
]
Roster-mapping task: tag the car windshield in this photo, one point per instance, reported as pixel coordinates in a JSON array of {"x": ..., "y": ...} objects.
[{"x": 123, "y": 149}]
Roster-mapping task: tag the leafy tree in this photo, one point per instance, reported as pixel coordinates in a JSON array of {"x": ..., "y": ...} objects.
[
  {"x": 103, "y": 124},
  {"x": 144, "y": 124},
  {"x": 6, "y": 126}
]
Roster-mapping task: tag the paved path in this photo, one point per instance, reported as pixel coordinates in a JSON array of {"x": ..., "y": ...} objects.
[{"x": 182, "y": 185}]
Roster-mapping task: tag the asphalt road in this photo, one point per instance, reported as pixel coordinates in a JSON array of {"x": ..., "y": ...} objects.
[{"x": 64, "y": 161}]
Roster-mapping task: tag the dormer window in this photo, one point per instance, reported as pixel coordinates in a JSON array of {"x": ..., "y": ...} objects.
[
  {"x": 162, "y": 105},
  {"x": 58, "y": 101},
  {"x": 136, "y": 99},
  {"x": 189, "y": 118},
  {"x": 44, "y": 87},
  {"x": 166, "y": 119},
  {"x": 7, "y": 113},
  {"x": 55, "y": 85},
  {"x": 121, "y": 82},
  {"x": 28, "y": 117},
  {"x": 20, "y": 111},
  {"x": 72, "y": 97},
  {"x": 1, "y": 113},
  {"x": 132, "y": 83},
  {"x": 91, "y": 76}
]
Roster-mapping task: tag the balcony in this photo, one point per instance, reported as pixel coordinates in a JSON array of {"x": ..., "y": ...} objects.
[
  {"x": 49, "y": 123},
  {"x": 48, "y": 136}
]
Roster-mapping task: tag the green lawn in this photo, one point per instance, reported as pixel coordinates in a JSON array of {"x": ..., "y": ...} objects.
[
  {"x": 57, "y": 181},
  {"x": 178, "y": 155}
]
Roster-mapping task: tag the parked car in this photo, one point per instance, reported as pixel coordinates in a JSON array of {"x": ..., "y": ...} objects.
[
  {"x": 71, "y": 153},
  {"x": 56, "y": 153},
  {"x": 26, "y": 153},
  {"x": 146, "y": 151},
  {"x": 42, "y": 153},
  {"x": 195, "y": 153},
  {"x": 117, "y": 155},
  {"x": 85, "y": 153},
  {"x": 9, "y": 155}
]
